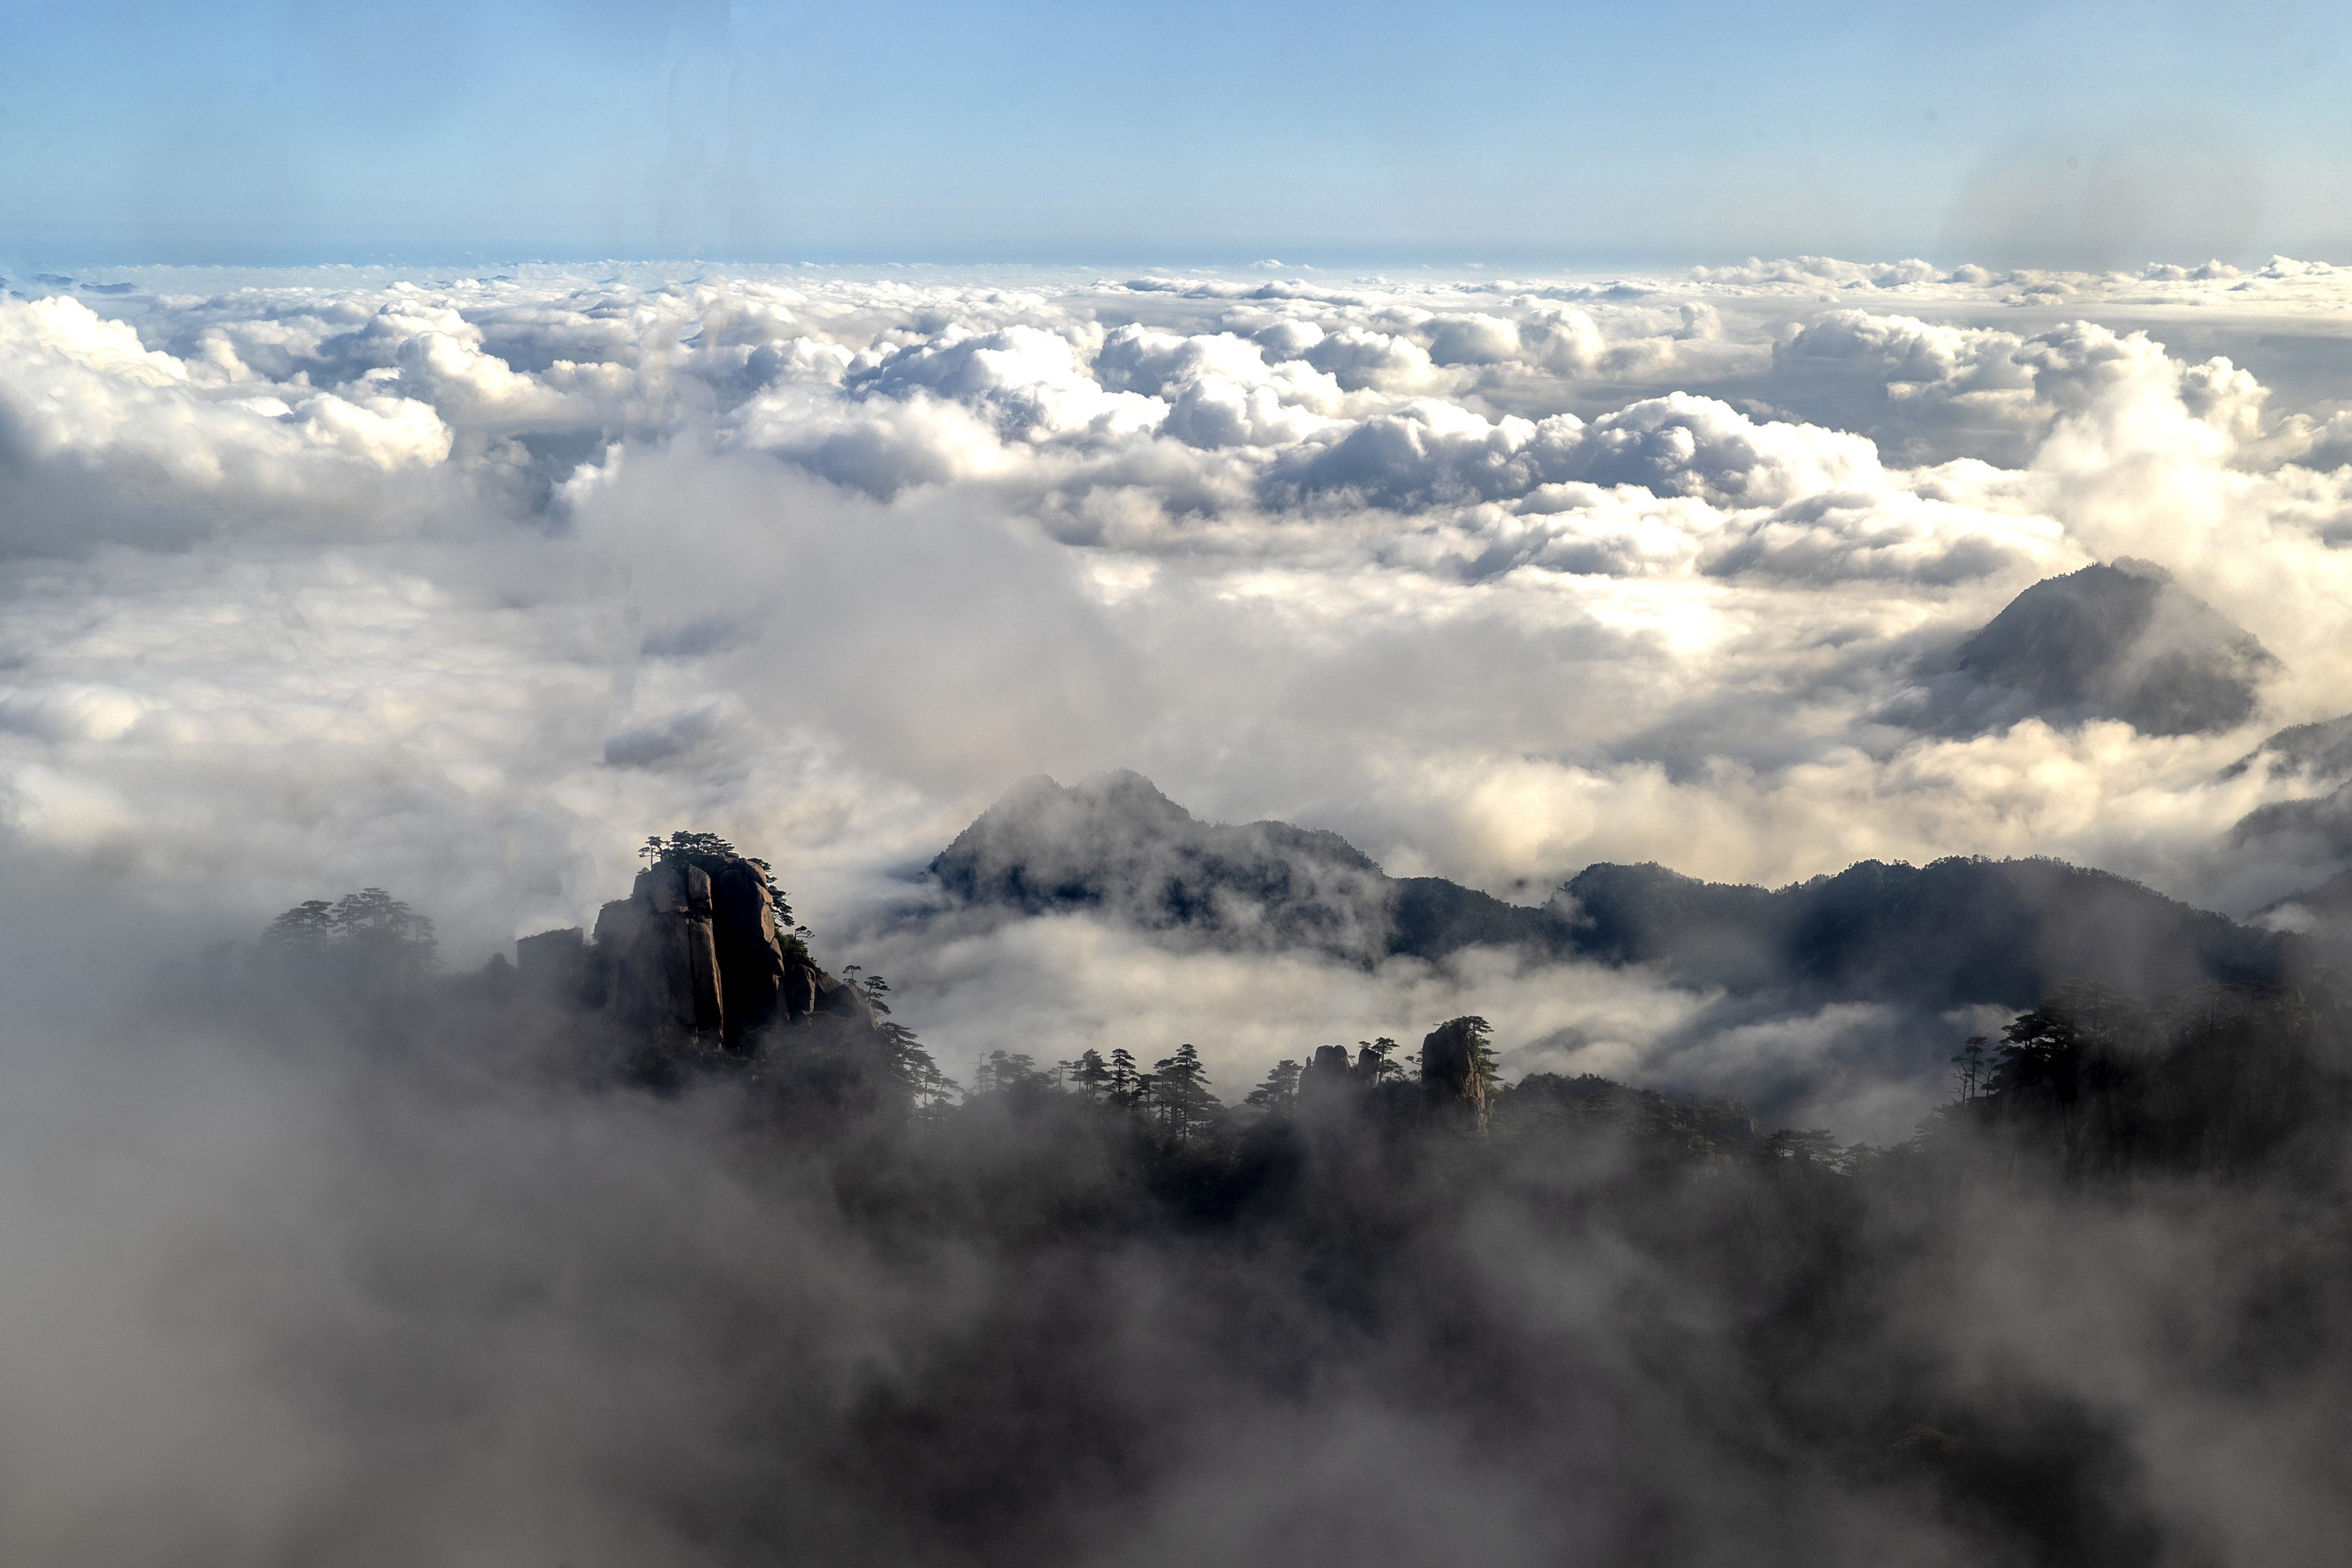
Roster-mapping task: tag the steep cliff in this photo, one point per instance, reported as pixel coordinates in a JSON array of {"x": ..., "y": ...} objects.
[
  {"x": 695, "y": 952},
  {"x": 1457, "y": 1068}
]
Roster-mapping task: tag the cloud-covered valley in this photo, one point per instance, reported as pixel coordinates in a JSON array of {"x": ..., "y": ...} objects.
[{"x": 460, "y": 586}]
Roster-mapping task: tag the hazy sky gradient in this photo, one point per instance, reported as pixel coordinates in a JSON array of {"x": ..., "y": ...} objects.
[{"x": 2080, "y": 135}]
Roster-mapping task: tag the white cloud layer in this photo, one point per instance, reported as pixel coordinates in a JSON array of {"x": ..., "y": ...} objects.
[{"x": 460, "y": 586}]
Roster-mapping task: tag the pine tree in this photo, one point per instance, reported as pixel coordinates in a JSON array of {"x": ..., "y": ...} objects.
[
  {"x": 304, "y": 929},
  {"x": 1279, "y": 1092},
  {"x": 369, "y": 927},
  {"x": 1811, "y": 1147},
  {"x": 931, "y": 1087},
  {"x": 1126, "y": 1083},
  {"x": 872, "y": 987},
  {"x": 1968, "y": 1065},
  {"x": 1090, "y": 1072},
  {"x": 1481, "y": 1054},
  {"x": 373, "y": 914},
  {"x": 712, "y": 853},
  {"x": 911, "y": 1065},
  {"x": 1181, "y": 1089},
  {"x": 1005, "y": 1072}
]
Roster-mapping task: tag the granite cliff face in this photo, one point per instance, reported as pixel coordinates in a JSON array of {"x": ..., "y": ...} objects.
[
  {"x": 1456, "y": 1074},
  {"x": 694, "y": 953},
  {"x": 1451, "y": 1075}
]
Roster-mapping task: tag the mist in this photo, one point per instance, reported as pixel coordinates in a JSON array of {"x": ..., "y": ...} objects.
[
  {"x": 450, "y": 1278},
  {"x": 459, "y": 586}
]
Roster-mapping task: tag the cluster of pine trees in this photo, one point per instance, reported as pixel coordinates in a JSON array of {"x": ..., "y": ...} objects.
[
  {"x": 369, "y": 918},
  {"x": 1173, "y": 1097},
  {"x": 2091, "y": 1081}
]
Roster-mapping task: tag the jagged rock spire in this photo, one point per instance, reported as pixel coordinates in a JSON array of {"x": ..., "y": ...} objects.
[
  {"x": 1452, "y": 1078},
  {"x": 1326, "y": 1076}
]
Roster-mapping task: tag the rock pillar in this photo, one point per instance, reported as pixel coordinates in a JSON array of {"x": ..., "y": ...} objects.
[
  {"x": 695, "y": 949},
  {"x": 1450, "y": 1079}
]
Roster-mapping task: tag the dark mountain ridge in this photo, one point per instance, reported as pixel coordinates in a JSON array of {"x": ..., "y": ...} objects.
[
  {"x": 785, "y": 1300},
  {"x": 2111, "y": 641},
  {"x": 1956, "y": 931}
]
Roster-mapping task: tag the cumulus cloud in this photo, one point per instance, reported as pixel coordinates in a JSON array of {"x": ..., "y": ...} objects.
[
  {"x": 461, "y": 586},
  {"x": 102, "y": 436},
  {"x": 1431, "y": 451}
]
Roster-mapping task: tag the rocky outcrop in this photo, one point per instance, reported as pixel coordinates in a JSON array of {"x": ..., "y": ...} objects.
[
  {"x": 747, "y": 952},
  {"x": 1450, "y": 1078},
  {"x": 659, "y": 950},
  {"x": 1327, "y": 1076},
  {"x": 695, "y": 951}
]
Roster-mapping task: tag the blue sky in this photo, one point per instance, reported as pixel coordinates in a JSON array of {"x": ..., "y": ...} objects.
[{"x": 1509, "y": 134}]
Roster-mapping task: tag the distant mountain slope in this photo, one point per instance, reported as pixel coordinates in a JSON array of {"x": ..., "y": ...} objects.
[
  {"x": 2322, "y": 750},
  {"x": 1956, "y": 931},
  {"x": 2120, "y": 641},
  {"x": 1115, "y": 843},
  {"x": 2310, "y": 838}
]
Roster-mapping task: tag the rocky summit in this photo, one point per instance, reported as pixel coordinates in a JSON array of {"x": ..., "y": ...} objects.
[{"x": 696, "y": 951}]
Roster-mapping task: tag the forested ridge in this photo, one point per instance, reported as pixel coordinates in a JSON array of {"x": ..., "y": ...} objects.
[
  {"x": 1383, "y": 1306},
  {"x": 1957, "y": 931}
]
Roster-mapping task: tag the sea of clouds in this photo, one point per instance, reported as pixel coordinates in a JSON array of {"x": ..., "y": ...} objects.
[{"x": 460, "y": 586}]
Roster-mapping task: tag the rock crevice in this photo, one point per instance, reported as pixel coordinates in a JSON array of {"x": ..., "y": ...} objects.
[{"x": 694, "y": 952}]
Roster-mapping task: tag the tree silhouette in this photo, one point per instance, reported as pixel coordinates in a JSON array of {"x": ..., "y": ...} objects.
[
  {"x": 1005, "y": 1072},
  {"x": 1180, "y": 1092},
  {"x": 1279, "y": 1092},
  {"x": 1969, "y": 1066},
  {"x": 1481, "y": 1054},
  {"x": 1090, "y": 1073},
  {"x": 711, "y": 853},
  {"x": 2073, "y": 1040},
  {"x": 1126, "y": 1082},
  {"x": 373, "y": 915},
  {"x": 912, "y": 1067},
  {"x": 1815, "y": 1146},
  {"x": 370, "y": 926},
  {"x": 872, "y": 987},
  {"x": 304, "y": 929}
]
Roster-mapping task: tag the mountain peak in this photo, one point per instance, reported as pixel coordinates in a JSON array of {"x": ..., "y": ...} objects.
[
  {"x": 1115, "y": 841},
  {"x": 2111, "y": 641},
  {"x": 1958, "y": 930}
]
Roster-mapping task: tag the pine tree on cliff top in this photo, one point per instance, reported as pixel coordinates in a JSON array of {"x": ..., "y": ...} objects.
[{"x": 711, "y": 853}]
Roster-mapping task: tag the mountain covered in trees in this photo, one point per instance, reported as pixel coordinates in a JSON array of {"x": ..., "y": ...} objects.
[
  {"x": 2111, "y": 641},
  {"x": 1956, "y": 931},
  {"x": 701, "y": 1233}
]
